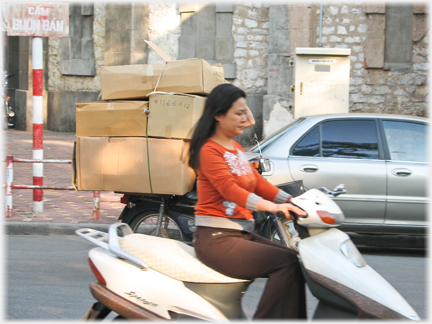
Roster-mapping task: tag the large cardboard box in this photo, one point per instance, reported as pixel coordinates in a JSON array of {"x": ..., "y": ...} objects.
[
  {"x": 170, "y": 116},
  {"x": 174, "y": 115},
  {"x": 195, "y": 76},
  {"x": 128, "y": 164},
  {"x": 114, "y": 118}
]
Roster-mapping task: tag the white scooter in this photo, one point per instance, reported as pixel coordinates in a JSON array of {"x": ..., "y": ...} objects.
[{"x": 147, "y": 277}]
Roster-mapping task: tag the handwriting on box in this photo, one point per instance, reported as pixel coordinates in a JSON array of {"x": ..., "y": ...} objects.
[{"x": 172, "y": 103}]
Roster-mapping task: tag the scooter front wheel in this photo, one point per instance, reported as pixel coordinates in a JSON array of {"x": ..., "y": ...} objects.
[{"x": 147, "y": 223}]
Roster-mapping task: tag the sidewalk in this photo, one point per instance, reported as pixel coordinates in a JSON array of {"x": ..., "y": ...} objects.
[{"x": 63, "y": 210}]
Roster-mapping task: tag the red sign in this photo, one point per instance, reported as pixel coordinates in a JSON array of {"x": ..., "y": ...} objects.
[{"x": 50, "y": 19}]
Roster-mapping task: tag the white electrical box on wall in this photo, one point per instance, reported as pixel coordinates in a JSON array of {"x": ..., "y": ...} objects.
[{"x": 321, "y": 81}]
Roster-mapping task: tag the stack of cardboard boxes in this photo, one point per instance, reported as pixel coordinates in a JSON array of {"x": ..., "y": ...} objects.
[{"x": 136, "y": 139}]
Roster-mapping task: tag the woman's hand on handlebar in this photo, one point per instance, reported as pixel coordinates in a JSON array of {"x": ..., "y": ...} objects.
[
  {"x": 265, "y": 205},
  {"x": 286, "y": 208}
]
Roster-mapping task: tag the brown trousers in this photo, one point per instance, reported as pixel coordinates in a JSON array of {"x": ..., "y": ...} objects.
[{"x": 245, "y": 255}]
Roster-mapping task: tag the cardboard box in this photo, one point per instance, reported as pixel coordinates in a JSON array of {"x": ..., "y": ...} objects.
[
  {"x": 174, "y": 115},
  {"x": 116, "y": 118},
  {"x": 195, "y": 76},
  {"x": 124, "y": 164},
  {"x": 170, "y": 116}
]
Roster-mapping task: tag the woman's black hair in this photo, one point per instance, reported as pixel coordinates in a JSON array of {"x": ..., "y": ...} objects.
[{"x": 219, "y": 101}]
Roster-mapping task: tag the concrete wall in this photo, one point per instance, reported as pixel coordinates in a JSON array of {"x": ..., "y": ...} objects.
[{"x": 60, "y": 117}]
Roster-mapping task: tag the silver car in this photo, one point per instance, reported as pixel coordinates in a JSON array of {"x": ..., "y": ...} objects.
[{"x": 381, "y": 159}]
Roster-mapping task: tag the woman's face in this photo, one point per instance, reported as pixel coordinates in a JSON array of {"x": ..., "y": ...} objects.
[{"x": 233, "y": 122}]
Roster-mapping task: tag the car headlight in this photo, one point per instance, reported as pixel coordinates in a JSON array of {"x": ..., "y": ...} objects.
[{"x": 350, "y": 251}]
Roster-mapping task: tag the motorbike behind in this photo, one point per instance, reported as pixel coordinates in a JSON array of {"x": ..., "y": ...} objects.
[{"x": 142, "y": 276}]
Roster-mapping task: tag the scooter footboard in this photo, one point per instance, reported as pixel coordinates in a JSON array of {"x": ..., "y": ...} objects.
[
  {"x": 367, "y": 308},
  {"x": 120, "y": 305},
  {"x": 335, "y": 270}
]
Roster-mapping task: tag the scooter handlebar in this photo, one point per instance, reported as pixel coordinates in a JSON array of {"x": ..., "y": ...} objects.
[{"x": 281, "y": 215}]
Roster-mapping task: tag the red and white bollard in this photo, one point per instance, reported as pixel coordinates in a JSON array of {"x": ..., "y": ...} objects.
[
  {"x": 37, "y": 57},
  {"x": 9, "y": 183},
  {"x": 96, "y": 205}
]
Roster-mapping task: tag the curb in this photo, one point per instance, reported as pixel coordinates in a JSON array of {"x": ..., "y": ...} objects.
[{"x": 19, "y": 228}]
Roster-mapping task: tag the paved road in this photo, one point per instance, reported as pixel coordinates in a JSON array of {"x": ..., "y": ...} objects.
[{"x": 47, "y": 278}]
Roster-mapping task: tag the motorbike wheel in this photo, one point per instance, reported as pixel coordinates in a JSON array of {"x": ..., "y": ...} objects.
[{"x": 146, "y": 223}]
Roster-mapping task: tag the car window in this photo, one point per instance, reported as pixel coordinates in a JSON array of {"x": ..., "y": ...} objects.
[
  {"x": 355, "y": 139},
  {"x": 406, "y": 141},
  {"x": 309, "y": 145}
]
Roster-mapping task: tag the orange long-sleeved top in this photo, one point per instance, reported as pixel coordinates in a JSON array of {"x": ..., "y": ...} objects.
[{"x": 228, "y": 185}]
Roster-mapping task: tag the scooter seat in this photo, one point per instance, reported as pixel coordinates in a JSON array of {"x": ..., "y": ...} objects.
[{"x": 172, "y": 258}]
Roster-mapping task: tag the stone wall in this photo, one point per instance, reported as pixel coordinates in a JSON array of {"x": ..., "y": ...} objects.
[
  {"x": 378, "y": 89},
  {"x": 250, "y": 32}
]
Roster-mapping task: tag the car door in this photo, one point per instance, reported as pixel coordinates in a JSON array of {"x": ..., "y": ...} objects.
[
  {"x": 344, "y": 151},
  {"x": 407, "y": 172}
]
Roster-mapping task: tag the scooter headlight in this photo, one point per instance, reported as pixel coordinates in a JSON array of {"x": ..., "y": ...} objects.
[
  {"x": 11, "y": 114},
  {"x": 350, "y": 251}
]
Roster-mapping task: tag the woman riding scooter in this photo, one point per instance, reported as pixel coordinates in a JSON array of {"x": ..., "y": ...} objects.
[{"x": 229, "y": 189}]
